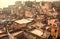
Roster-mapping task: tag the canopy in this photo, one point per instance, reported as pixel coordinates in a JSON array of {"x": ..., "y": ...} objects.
[
  {"x": 22, "y": 21},
  {"x": 37, "y": 32}
]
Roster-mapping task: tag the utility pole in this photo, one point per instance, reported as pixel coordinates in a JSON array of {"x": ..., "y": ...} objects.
[{"x": 35, "y": 0}]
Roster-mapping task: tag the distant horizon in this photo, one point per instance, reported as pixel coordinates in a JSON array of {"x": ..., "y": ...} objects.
[{"x": 5, "y": 3}]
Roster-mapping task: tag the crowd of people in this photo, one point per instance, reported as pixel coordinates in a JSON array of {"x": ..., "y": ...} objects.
[{"x": 44, "y": 14}]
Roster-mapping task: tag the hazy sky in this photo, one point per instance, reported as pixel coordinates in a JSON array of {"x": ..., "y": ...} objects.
[{"x": 5, "y": 3}]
